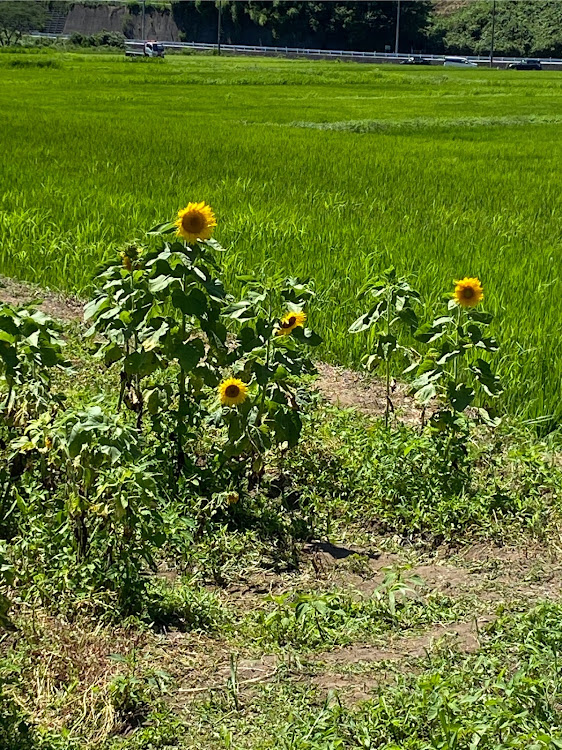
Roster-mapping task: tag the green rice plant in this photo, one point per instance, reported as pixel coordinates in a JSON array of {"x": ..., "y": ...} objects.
[{"x": 462, "y": 173}]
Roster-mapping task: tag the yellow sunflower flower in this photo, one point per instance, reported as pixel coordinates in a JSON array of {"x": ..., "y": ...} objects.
[
  {"x": 195, "y": 222},
  {"x": 468, "y": 292},
  {"x": 233, "y": 392},
  {"x": 289, "y": 322}
]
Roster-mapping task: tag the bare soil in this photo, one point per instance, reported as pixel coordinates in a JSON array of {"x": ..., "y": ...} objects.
[
  {"x": 349, "y": 389},
  {"x": 56, "y": 305}
]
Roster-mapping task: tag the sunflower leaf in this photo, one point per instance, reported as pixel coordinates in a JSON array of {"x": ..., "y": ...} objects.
[
  {"x": 167, "y": 228},
  {"x": 307, "y": 336}
]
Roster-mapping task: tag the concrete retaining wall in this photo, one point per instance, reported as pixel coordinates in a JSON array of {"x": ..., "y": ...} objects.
[{"x": 158, "y": 24}]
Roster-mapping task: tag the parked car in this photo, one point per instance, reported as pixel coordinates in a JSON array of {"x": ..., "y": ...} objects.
[
  {"x": 459, "y": 62},
  {"x": 415, "y": 60},
  {"x": 528, "y": 64},
  {"x": 144, "y": 49}
]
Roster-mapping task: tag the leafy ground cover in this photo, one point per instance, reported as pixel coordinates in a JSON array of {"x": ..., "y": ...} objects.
[
  {"x": 361, "y": 597},
  {"x": 439, "y": 172}
]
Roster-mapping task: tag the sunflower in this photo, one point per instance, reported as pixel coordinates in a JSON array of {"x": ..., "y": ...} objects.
[
  {"x": 130, "y": 255},
  {"x": 195, "y": 222},
  {"x": 289, "y": 322},
  {"x": 468, "y": 292},
  {"x": 232, "y": 392}
]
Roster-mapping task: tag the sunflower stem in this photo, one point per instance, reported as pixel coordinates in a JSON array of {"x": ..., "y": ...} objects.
[
  {"x": 181, "y": 400},
  {"x": 387, "y": 402},
  {"x": 267, "y": 348}
]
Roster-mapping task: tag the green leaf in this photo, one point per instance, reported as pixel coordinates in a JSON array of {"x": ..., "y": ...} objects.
[
  {"x": 194, "y": 303},
  {"x": 460, "y": 396},
  {"x": 361, "y": 324},
  {"x": 167, "y": 228},
  {"x": 111, "y": 353},
  {"x": 241, "y": 310},
  {"x": 429, "y": 332},
  {"x": 409, "y": 317},
  {"x": 248, "y": 339},
  {"x": 386, "y": 346},
  {"x": 140, "y": 363},
  {"x": 480, "y": 316},
  {"x": 307, "y": 336},
  {"x": 490, "y": 383},
  {"x": 214, "y": 245},
  {"x": 153, "y": 400},
  {"x": 262, "y": 372},
  {"x": 153, "y": 340},
  {"x": 91, "y": 309},
  {"x": 426, "y": 393},
  {"x": 489, "y": 419},
  {"x": 287, "y": 426},
  {"x": 448, "y": 355},
  {"x": 190, "y": 353},
  {"x": 159, "y": 283}
]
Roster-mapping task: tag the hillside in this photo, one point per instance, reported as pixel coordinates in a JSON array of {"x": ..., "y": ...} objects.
[{"x": 529, "y": 27}]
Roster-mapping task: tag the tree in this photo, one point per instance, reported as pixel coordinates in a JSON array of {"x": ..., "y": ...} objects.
[
  {"x": 17, "y": 18},
  {"x": 528, "y": 27}
]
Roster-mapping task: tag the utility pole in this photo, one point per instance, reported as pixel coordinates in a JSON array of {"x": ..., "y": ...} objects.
[
  {"x": 219, "y": 29},
  {"x": 397, "y": 40},
  {"x": 493, "y": 33},
  {"x": 142, "y": 20}
]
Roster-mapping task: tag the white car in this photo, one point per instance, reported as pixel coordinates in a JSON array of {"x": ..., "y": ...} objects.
[{"x": 459, "y": 62}]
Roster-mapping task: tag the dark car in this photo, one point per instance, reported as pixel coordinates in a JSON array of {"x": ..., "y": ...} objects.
[
  {"x": 526, "y": 65},
  {"x": 415, "y": 61}
]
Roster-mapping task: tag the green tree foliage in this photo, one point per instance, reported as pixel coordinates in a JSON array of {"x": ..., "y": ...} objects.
[
  {"x": 529, "y": 27},
  {"x": 17, "y": 18},
  {"x": 324, "y": 25}
]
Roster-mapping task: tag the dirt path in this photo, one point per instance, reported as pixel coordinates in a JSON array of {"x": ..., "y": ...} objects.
[{"x": 56, "y": 305}]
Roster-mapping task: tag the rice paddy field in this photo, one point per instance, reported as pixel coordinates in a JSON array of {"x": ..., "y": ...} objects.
[{"x": 322, "y": 169}]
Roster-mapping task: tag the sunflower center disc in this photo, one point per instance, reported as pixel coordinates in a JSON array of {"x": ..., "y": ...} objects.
[
  {"x": 193, "y": 223},
  {"x": 468, "y": 292},
  {"x": 232, "y": 391}
]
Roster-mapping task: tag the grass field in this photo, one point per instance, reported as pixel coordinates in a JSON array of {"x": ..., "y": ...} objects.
[{"x": 322, "y": 169}]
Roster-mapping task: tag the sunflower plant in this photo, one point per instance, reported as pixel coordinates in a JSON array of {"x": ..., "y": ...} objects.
[
  {"x": 455, "y": 367},
  {"x": 100, "y": 494},
  {"x": 30, "y": 349},
  {"x": 159, "y": 309},
  {"x": 259, "y": 401},
  {"x": 392, "y": 302}
]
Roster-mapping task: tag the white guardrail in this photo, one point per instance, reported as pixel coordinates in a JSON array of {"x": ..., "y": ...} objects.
[
  {"x": 390, "y": 56},
  {"x": 305, "y": 52}
]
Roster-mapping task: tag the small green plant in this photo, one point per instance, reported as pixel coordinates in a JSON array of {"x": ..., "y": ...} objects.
[
  {"x": 30, "y": 347},
  {"x": 6, "y": 579},
  {"x": 95, "y": 487},
  {"x": 133, "y": 692},
  {"x": 392, "y": 306},
  {"x": 268, "y": 360},
  {"x": 454, "y": 369}
]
